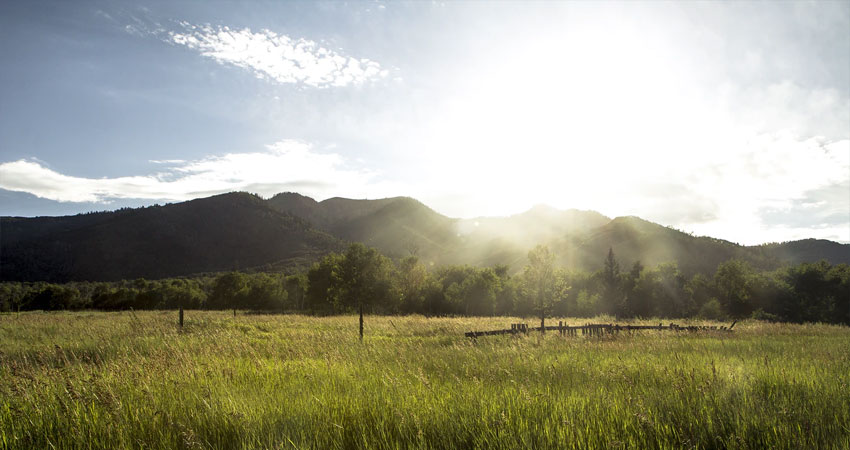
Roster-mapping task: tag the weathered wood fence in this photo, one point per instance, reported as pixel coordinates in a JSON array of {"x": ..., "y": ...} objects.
[{"x": 596, "y": 329}]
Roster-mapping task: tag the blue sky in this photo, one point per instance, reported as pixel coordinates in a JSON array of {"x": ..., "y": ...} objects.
[{"x": 724, "y": 119}]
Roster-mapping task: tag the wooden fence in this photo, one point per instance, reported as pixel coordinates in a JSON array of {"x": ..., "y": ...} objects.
[{"x": 596, "y": 329}]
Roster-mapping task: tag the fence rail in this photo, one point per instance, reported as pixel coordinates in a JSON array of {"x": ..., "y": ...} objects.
[{"x": 595, "y": 329}]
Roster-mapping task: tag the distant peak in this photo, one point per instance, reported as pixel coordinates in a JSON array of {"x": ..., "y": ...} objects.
[
  {"x": 543, "y": 207},
  {"x": 630, "y": 219},
  {"x": 291, "y": 195},
  {"x": 238, "y": 195}
]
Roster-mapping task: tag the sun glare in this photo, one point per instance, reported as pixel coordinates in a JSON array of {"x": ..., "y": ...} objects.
[{"x": 567, "y": 111}]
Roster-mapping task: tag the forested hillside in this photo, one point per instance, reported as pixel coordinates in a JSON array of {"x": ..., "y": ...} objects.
[
  {"x": 290, "y": 231},
  {"x": 225, "y": 232}
]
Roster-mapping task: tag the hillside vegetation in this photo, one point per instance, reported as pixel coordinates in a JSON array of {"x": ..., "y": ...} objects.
[
  {"x": 226, "y": 232},
  {"x": 239, "y": 231}
]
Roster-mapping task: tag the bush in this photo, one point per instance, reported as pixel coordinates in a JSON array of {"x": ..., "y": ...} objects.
[
  {"x": 760, "y": 314},
  {"x": 712, "y": 310}
]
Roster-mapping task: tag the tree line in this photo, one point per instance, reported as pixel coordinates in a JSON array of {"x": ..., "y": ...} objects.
[{"x": 362, "y": 278}]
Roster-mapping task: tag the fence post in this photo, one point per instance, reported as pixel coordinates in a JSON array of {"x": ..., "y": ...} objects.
[
  {"x": 180, "y": 317},
  {"x": 361, "y": 321}
]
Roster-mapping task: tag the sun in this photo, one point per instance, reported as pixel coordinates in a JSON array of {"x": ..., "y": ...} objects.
[{"x": 563, "y": 113}]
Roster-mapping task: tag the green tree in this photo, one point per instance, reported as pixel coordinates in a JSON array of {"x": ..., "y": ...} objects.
[
  {"x": 839, "y": 278},
  {"x": 296, "y": 289},
  {"x": 770, "y": 294},
  {"x": 450, "y": 300},
  {"x": 612, "y": 289},
  {"x": 324, "y": 284},
  {"x": 265, "y": 292},
  {"x": 632, "y": 301},
  {"x": 821, "y": 293},
  {"x": 540, "y": 282},
  {"x": 181, "y": 293},
  {"x": 367, "y": 280},
  {"x": 711, "y": 310},
  {"x": 229, "y": 291},
  {"x": 477, "y": 293},
  {"x": 675, "y": 301},
  {"x": 506, "y": 295},
  {"x": 587, "y": 304},
  {"x": 732, "y": 281},
  {"x": 52, "y": 297},
  {"x": 642, "y": 298},
  {"x": 412, "y": 279},
  {"x": 700, "y": 289}
]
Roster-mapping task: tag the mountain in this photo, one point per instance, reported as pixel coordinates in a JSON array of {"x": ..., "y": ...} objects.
[
  {"x": 634, "y": 239},
  {"x": 540, "y": 224},
  {"x": 808, "y": 250},
  {"x": 401, "y": 225},
  {"x": 397, "y": 226},
  {"x": 289, "y": 230},
  {"x": 224, "y": 232}
]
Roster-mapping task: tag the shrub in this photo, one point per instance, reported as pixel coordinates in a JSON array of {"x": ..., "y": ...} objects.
[{"x": 712, "y": 310}]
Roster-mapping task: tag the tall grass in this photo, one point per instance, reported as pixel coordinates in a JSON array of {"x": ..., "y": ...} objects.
[{"x": 136, "y": 380}]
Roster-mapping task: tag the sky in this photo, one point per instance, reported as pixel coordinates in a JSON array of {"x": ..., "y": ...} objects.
[{"x": 729, "y": 119}]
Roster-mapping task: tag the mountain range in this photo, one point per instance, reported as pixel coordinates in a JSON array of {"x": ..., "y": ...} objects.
[{"x": 240, "y": 231}]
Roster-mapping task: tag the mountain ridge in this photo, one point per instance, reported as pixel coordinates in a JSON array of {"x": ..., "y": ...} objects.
[
  {"x": 223, "y": 232},
  {"x": 289, "y": 230}
]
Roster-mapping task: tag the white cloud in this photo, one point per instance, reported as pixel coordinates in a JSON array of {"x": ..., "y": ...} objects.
[
  {"x": 284, "y": 166},
  {"x": 772, "y": 172},
  {"x": 788, "y": 106},
  {"x": 277, "y": 57}
]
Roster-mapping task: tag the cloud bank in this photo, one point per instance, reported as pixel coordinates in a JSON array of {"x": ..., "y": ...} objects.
[
  {"x": 277, "y": 57},
  {"x": 284, "y": 166}
]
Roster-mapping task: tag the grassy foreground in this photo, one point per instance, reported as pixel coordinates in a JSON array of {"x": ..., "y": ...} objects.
[{"x": 134, "y": 380}]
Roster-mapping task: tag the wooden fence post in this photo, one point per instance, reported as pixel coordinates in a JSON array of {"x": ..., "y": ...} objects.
[
  {"x": 361, "y": 322},
  {"x": 180, "y": 319}
]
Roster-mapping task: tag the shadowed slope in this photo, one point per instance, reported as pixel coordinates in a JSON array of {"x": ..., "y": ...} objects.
[
  {"x": 223, "y": 232},
  {"x": 808, "y": 250},
  {"x": 634, "y": 239}
]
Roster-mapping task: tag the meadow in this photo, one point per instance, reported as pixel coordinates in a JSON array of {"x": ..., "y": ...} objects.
[{"x": 122, "y": 380}]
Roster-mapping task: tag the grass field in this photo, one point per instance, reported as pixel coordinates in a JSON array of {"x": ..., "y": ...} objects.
[{"x": 134, "y": 380}]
